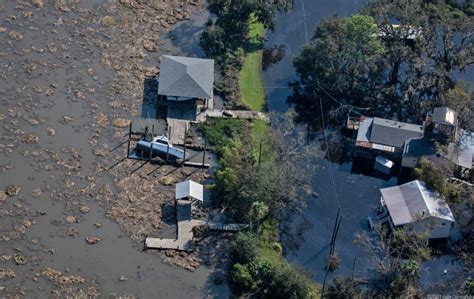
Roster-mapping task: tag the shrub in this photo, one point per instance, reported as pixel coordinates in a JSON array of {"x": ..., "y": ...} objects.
[
  {"x": 241, "y": 279},
  {"x": 243, "y": 249}
]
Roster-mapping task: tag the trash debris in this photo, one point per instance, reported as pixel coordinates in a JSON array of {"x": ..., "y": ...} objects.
[
  {"x": 12, "y": 190},
  {"x": 93, "y": 240},
  {"x": 36, "y": 193},
  {"x": 15, "y": 35},
  {"x": 19, "y": 259},
  {"x": 58, "y": 277},
  {"x": 121, "y": 123},
  {"x": 7, "y": 274}
]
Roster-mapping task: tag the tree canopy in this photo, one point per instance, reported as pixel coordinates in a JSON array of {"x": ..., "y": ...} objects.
[
  {"x": 341, "y": 64},
  {"x": 398, "y": 58}
]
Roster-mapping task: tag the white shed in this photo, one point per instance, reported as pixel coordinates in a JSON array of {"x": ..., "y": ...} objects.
[
  {"x": 413, "y": 203},
  {"x": 189, "y": 190}
]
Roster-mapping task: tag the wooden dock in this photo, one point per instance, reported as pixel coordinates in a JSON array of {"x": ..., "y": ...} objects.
[
  {"x": 241, "y": 114},
  {"x": 184, "y": 233}
]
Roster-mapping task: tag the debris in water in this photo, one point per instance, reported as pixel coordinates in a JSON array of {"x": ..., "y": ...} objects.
[
  {"x": 12, "y": 190},
  {"x": 15, "y": 35},
  {"x": 93, "y": 240},
  {"x": 7, "y": 274},
  {"x": 19, "y": 259},
  {"x": 36, "y": 193}
]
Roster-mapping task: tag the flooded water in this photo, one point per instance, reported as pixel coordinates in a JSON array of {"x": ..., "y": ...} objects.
[
  {"x": 60, "y": 92},
  {"x": 293, "y": 30},
  {"x": 308, "y": 242}
]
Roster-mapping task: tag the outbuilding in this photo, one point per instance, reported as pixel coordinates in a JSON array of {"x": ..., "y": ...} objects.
[
  {"x": 413, "y": 205},
  {"x": 190, "y": 191}
]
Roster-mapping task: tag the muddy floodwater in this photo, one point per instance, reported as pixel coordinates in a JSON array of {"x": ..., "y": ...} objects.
[{"x": 73, "y": 215}]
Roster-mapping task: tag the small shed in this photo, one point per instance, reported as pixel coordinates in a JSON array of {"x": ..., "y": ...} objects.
[
  {"x": 413, "y": 203},
  {"x": 189, "y": 190}
]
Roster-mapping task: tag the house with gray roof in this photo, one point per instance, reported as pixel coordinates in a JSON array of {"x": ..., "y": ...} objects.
[
  {"x": 185, "y": 79},
  {"x": 413, "y": 206},
  {"x": 383, "y": 136}
]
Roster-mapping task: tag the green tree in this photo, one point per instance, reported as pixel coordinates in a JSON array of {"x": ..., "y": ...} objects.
[
  {"x": 421, "y": 69},
  {"x": 459, "y": 99},
  {"x": 341, "y": 64},
  {"x": 241, "y": 279},
  {"x": 258, "y": 211},
  {"x": 433, "y": 176}
]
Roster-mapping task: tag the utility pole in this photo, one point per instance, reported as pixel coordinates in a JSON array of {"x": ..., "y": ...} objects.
[
  {"x": 204, "y": 153},
  {"x": 168, "y": 145},
  {"x": 353, "y": 268},
  {"x": 335, "y": 230},
  {"x": 184, "y": 141}
]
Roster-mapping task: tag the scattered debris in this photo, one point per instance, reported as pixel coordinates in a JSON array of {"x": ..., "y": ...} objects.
[
  {"x": 93, "y": 240},
  {"x": 71, "y": 219},
  {"x": 84, "y": 209},
  {"x": 107, "y": 21},
  {"x": 38, "y": 3},
  {"x": 19, "y": 259},
  {"x": 7, "y": 274},
  {"x": 15, "y": 35},
  {"x": 36, "y": 193},
  {"x": 58, "y": 277},
  {"x": 121, "y": 123},
  {"x": 12, "y": 190}
]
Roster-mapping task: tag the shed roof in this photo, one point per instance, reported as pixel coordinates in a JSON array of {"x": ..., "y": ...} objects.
[
  {"x": 444, "y": 114},
  {"x": 393, "y": 133},
  {"x": 409, "y": 202},
  {"x": 186, "y": 77},
  {"x": 188, "y": 189}
]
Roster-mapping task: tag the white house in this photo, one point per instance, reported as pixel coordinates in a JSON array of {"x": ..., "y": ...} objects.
[{"x": 415, "y": 205}]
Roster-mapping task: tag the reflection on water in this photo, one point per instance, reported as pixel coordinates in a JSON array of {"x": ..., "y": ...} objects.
[
  {"x": 357, "y": 195},
  {"x": 293, "y": 29}
]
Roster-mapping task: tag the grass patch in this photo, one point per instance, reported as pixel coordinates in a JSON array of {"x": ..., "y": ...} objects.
[{"x": 250, "y": 80}]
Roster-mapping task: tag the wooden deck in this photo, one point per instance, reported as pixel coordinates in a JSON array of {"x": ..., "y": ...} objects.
[
  {"x": 184, "y": 234},
  {"x": 177, "y": 129}
]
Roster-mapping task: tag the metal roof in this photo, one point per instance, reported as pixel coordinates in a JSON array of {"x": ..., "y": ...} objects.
[
  {"x": 188, "y": 189},
  {"x": 393, "y": 133},
  {"x": 444, "y": 114},
  {"x": 186, "y": 77},
  {"x": 412, "y": 201}
]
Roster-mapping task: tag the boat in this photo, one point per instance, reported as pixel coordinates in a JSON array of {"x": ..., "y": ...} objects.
[
  {"x": 383, "y": 165},
  {"x": 160, "y": 146}
]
